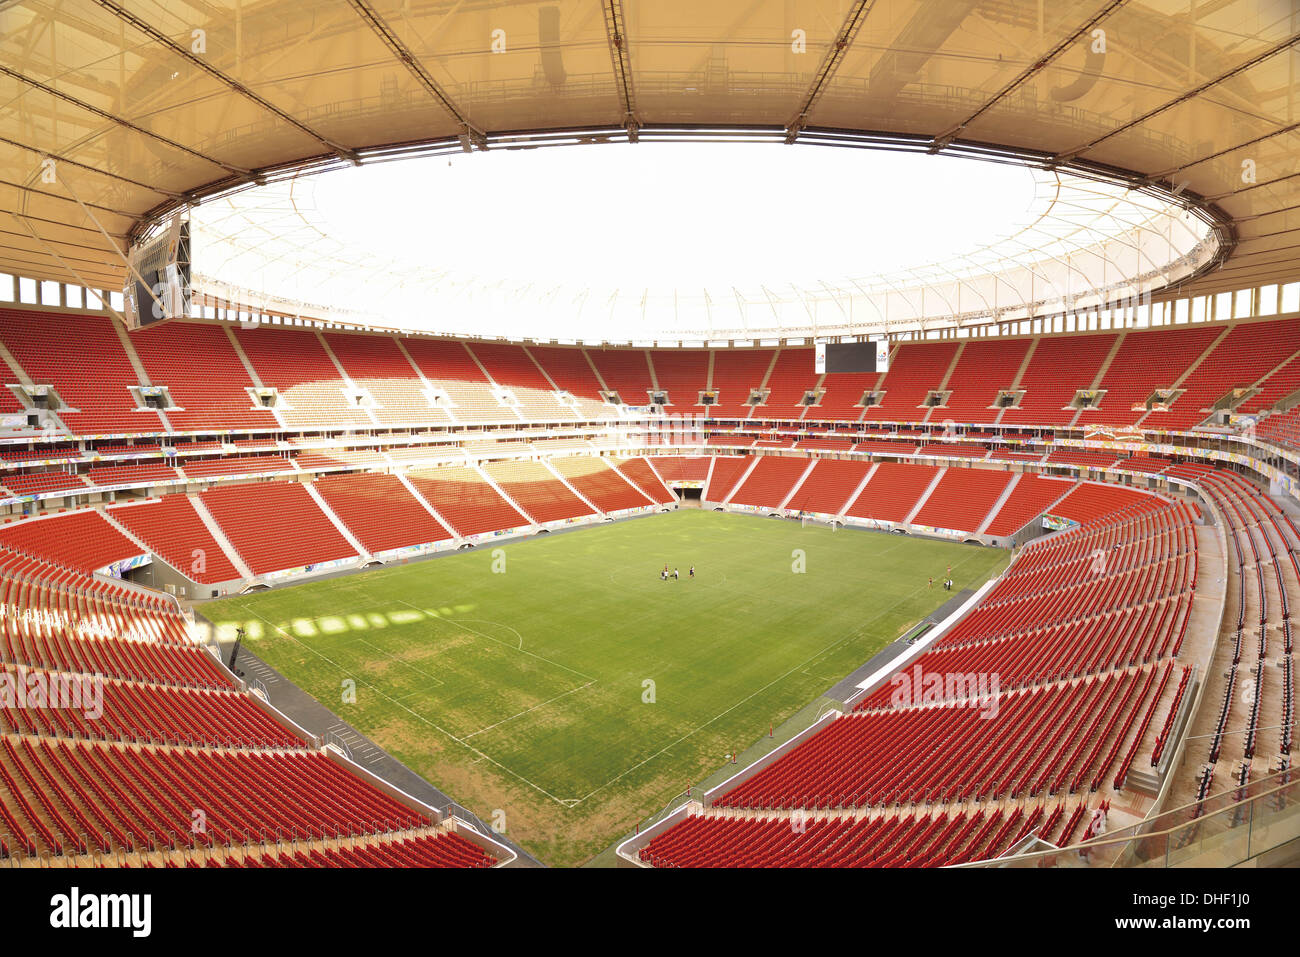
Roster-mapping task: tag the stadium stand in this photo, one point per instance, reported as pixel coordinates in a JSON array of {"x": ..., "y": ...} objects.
[
  {"x": 570, "y": 370},
  {"x": 466, "y": 500},
  {"x": 80, "y": 540},
  {"x": 173, "y": 530},
  {"x": 204, "y": 377},
  {"x": 791, "y": 377},
  {"x": 85, "y": 362},
  {"x": 537, "y": 490},
  {"x": 294, "y": 361},
  {"x": 275, "y": 525},
  {"x": 625, "y": 371},
  {"x": 772, "y": 479},
  {"x": 599, "y": 483},
  {"x": 379, "y": 511},
  {"x": 892, "y": 492},
  {"x": 983, "y": 369},
  {"x": 915, "y": 370},
  {"x": 684, "y": 468},
  {"x": 511, "y": 367},
  {"x": 726, "y": 471},
  {"x": 1058, "y": 368},
  {"x": 1029, "y": 498},
  {"x": 639, "y": 472},
  {"x": 449, "y": 366},
  {"x": 378, "y": 365},
  {"x": 829, "y": 486},
  {"x": 682, "y": 374},
  {"x": 736, "y": 373},
  {"x": 1152, "y": 360},
  {"x": 963, "y": 498},
  {"x": 172, "y": 735}
]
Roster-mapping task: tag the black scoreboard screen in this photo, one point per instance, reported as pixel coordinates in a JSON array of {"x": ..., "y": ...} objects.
[
  {"x": 833, "y": 357},
  {"x": 159, "y": 286}
]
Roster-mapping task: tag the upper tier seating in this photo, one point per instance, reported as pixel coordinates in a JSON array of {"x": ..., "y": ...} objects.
[
  {"x": 570, "y": 370},
  {"x": 1058, "y": 368},
  {"x": 842, "y": 398},
  {"x": 295, "y": 362},
  {"x": 511, "y": 367},
  {"x": 984, "y": 368},
  {"x": 1248, "y": 353},
  {"x": 915, "y": 369},
  {"x": 83, "y": 359},
  {"x": 1146, "y": 362},
  {"x": 792, "y": 376},
  {"x": 736, "y": 373},
  {"x": 378, "y": 364},
  {"x": 203, "y": 375},
  {"x": 682, "y": 374},
  {"x": 449, "y": 366},
  {"x": 207, "y": 377},
  {"x": 625, "y": 371}
]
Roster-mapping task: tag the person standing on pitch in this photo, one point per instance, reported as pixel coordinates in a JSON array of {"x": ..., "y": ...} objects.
[{"x": 692, "y": 571}]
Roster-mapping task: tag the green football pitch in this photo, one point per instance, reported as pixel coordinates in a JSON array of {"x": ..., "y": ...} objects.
[{"x": 557, "y": 686}]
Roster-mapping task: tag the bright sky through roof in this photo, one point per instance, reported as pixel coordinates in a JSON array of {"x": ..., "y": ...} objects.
[
  {"x": 675, "y": 216},
  {"x": 687, "y": 241}
]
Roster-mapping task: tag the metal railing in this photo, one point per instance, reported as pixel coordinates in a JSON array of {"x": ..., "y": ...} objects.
[{"x": 1221, "y": 831}]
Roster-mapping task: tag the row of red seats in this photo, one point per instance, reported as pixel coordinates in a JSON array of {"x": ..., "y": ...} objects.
[
  {"x": 148, "y": 714},
  {"x": 1046, "y": 738},
  {"x": 171, "y": 797},
  {"x": 442, "y": 849}
]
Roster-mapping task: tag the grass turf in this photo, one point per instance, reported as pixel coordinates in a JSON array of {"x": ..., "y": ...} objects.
[{"x": 559, "y": 686}]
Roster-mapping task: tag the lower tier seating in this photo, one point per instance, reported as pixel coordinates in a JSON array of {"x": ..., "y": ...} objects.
[
  {"x": 379, "y": 511},
  {"x": 275, "y": 526}
]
